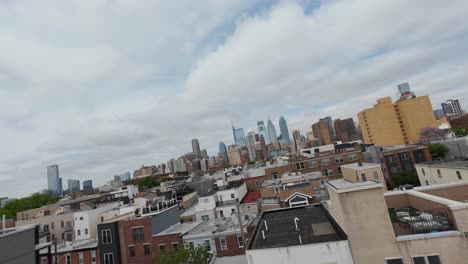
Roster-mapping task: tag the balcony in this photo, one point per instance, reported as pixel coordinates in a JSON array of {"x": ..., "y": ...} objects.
[
  {"x": 226, "y": 203},
  {"x": 410, "y": 221}
]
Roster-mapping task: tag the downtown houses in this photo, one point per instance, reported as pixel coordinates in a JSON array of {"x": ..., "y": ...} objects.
[{"x": 320, "y": 198}]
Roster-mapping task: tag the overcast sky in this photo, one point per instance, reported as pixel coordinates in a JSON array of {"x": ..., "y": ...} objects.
[{"x": 102, "y": 87}]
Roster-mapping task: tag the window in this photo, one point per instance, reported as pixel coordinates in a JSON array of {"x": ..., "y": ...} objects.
[
  {"x": 63, "y": 235},
  {"x": 427, "y": 183},
  {"x": 106, "y": 238},
  {"x": 432, "y": 259},
  {"x": 52, "y": 225},
  {"x": 44, "y": 260},
  {"x": 423, "y": 172},
  {"x": 53, "y": 237},
  {"x": 313, "y": 164},
  {"x": 206, "y": 200},
  {"x": 339, "y": 159},
  {"x": 233, "y": 211},
  {"x": 391, "y": 159},
  {"x": 240, "y": 242},
  {"x": 233, "y": 196},
  {"x": 108, "y": 258},
  {"x": 68, "y": 259},
  {"x": 205, "y": 218},
  {"x": 47, "y": 212},
  {"x": 405, "y": 156},
  {"x": 86, "y": 231},
  {"x": 393, "y": 169},
  {"x": 221, "y": 213},
  {"x": 147, "y": 249},
  {"x": 409, "y": 167},
  {"x": 80, "y": 257},
  {"x": 325, "y": 162},
  {"x": 352, "y": 156},
  {"x": 364, "y": 177},
  {"x": 223, "y": 243},
  {"x": 339, "y": 170},
  {"x": 79, "y": 232},
  {"x": 162, "y": 247},
  {"x": 274, "y": 176},
  {"x": 138, "y": 234},
  {"x": 276, "y": 190},
  {"x": 62, "y": 224},
  {"x": 300, "y": 165},
  {"x": 131, "y": 249},
  {"x": 459, "y": 175},
  {"x": 246, "y": 217},
  {"x": 93, "y": 256},
  {"x": 256, "y": 183},
  {"x": 298, "y": 200},
  {"x": 394, "y": 261},
  {"x": 327, "y": 172},
  {"x": 438, "y": 173},
  {"x": 190, "y": 244},
  {"x": 207, "y": 245},
  {"x": 175, "y": 245},
  {"x": 376, "y": 175},
  {"x": 46, "y": 228},
  {"x": 81, "y": 218}
]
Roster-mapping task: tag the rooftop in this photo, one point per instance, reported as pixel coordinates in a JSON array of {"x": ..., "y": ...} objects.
[
  {"x": 205, "y": 228},
  {"x": 345, "y": 185},
  {"x": 451, "y": 163},
  {"x": 15, "y": 230},
  {"x": 361, "y": 166},
  {"x": 314, "y": 225},
  {"x": 179, "y": 228},
  {"x": 251, "y": 197}
]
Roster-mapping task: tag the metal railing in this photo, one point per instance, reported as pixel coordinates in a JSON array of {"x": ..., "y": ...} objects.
[{"x": 408, "y": 221}]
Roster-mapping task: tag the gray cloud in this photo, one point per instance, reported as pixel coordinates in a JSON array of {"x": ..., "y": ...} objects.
[{"x": 102, "y": 87}]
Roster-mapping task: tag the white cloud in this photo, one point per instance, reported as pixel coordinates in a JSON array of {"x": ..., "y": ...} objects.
[{"x": 102, "y": 87}]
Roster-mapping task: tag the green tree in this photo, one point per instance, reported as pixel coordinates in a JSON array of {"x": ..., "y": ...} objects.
[
  {"x": 34, "y": 201},
  {"x": 146, "y": 183},
  {"x": 437, "y": 150},
  {"x": 251, "y": 162},
  {"x": 401, "y": 178},
  {"x": 198, "y": 255},
  {"x": 460, "y": 131}
]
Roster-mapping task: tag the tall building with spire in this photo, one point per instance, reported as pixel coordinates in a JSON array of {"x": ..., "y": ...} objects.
[
  {"x": 271, "y": 132},
  {"x": 286, "y": 139},
  {"x": 250, "y": 140},
  {"x": 196, "y": 148},
  {"x": 262, "y": 131}
]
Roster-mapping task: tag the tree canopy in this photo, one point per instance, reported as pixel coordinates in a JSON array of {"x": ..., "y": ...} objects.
[
  {"x": 198, "y": 255},
  {"x": 437, "y": 150},
  {"x": 427, "y": 134},
  {"x": 147, "y": 183},
  {"x": 460, "y": 131},
  {"x": 401, "y": 178},
  {"x": 34, "y": 201}
]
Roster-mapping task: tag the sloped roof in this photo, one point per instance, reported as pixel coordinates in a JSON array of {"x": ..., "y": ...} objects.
[{"x": 251, "y": 197}]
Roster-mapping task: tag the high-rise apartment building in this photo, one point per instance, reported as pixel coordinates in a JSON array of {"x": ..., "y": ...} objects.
[
  {"x": 196, "y": 148},
  {"x": 54, "y": 183},
  {"x": 397, "y": 123},
  {"x": 329, "y": 120},
  {"x": 271, "y": 132},
  {"x": 284, "y": 130},
  {"x": 234, "y": 156},
  {"x": 345, "y": 130},
  {"x": 88, "y": 184},
  {"x": 239, "y": 137},
  {"x": 322, "y": 131},
  {"x": 452, "y": 107},
  {"x": 73, "y": 185},
  {"x": 170, "y": 165},
  {"x": 250, "y": 140},
  {"x": 262, "y": 131}
]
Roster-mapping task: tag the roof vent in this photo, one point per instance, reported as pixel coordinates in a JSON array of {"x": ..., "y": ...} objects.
[{"x": 295, "y": 223}]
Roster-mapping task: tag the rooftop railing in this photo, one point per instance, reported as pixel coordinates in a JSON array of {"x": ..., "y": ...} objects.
[{"x": 409, "y": 221}]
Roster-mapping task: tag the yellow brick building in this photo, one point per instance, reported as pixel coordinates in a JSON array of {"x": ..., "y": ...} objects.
[{"x": 397, "y": 123}]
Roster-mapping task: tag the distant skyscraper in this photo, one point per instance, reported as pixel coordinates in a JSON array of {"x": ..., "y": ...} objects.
[
  {"x": 329, "y": 120},
  {"x": 323, "y": 131},
  {"x": 53, "y": 180},
  {"x": 87, "y": 185},
  {"x": 403, "y": 87},
  {"x": 170, "y": 165},
  {"x": 452, "y": 107},
  {"x": 262, "y": 131},
  {"x": 222, "y": 149},
  {"x": 73, "y": 185},
  {"x": 204, "y": 153},
  {"x": 271, "y": 132},
  {"x": 239, "y": 137},
  {"x": 345, "y": 130},
  {"x": 196, "y": 148},
  {"x": 251, "y": 145},
  {"x": 284, "y": 130}
]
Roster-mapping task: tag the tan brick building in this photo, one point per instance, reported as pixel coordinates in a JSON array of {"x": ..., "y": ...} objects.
[{"x": 397, "y": 123}]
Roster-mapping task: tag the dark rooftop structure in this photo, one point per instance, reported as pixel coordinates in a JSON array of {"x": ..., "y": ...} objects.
[
  {"x": 449, "y": 163},
  {"x": 294, "y": 226}
]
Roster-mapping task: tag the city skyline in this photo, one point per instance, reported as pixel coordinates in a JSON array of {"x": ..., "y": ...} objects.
[{"x": 98, "y": 103}]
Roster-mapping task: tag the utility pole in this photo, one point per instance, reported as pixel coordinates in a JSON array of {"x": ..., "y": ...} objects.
[
  {"x": 241, "y": 227},
  {"x": 55, "y": 251}
]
